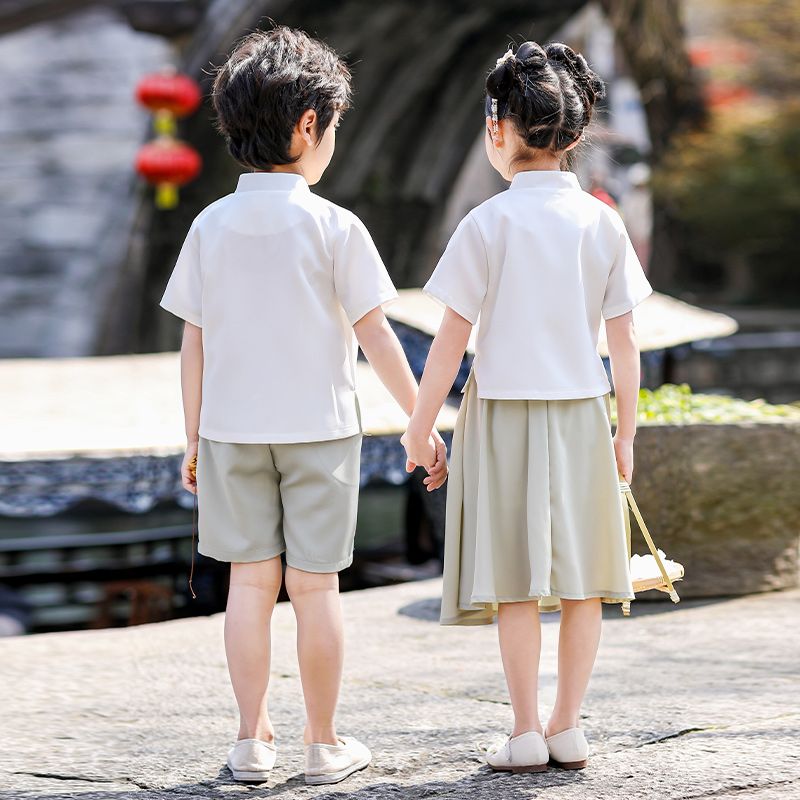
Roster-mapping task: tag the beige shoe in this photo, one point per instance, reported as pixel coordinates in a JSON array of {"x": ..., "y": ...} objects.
[
  {"x": 524, "y": 753},
  {"x": 251, "y": 760},
  {"x": 568, "y": 749},
  {"x": 331, "y": 763}
]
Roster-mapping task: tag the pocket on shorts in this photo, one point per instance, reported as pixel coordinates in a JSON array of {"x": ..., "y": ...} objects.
[{"x": 341, "y": 458}]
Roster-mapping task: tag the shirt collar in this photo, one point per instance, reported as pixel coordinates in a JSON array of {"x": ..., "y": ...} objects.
[
  {"x": 271, "y": 182},
  {"x": 545, "y": 179}
]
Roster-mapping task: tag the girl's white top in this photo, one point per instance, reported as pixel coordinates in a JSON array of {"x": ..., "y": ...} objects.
[
  {"x": 276, "y": 277},
  {"x": 535, "y": 267}
]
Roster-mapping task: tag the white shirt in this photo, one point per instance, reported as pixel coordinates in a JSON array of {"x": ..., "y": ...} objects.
[
  {"x": 276, "y": 277},
  {"x": 539, "y": 264}
]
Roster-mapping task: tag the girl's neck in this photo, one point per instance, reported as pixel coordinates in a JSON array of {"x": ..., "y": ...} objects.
[{"x": 543, "y": 163}]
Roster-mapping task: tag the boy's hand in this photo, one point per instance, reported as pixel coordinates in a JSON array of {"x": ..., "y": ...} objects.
[
  {"x": 437, "y": 474},
  {"x": 189, "y": 482},
  {"x": 623, "y": 450}
]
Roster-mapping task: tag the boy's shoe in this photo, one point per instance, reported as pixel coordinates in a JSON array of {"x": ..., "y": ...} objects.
[
  {"x": 251, "y": 760},
  {"x": 331, "y": 763},
  {"x": 568, "y": 749},
  {"x": 524, "y": 753}
]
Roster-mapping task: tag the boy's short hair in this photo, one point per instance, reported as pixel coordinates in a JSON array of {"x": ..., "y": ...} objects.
[{"x": 269, "y": 80}]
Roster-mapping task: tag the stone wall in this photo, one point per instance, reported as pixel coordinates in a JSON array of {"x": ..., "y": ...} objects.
[
  {"x": 68, "y": 135},
  {"x": 722, "y": 500}
]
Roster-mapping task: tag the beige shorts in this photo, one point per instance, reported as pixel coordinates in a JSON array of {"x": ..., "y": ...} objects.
[{"x": 256, "y": 501}]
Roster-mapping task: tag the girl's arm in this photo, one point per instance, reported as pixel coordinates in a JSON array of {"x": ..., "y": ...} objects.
[
  {"x": 625, "y": 368},
  {"x": 386, "y": 356},
  {"x": 441, "y": 369},
  {"x": 191, "y": 389}
]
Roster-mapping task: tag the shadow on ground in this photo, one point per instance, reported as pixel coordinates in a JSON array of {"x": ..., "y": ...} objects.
[
  {"x": 429, "y": 608},
  {"x": 481, "y": 784}
]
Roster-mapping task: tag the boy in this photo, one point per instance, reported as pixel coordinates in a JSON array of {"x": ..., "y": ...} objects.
[{"x": 273, "y": 282}]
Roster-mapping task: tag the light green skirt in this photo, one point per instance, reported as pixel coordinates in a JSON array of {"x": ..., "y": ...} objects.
[{"x": 533, "y": 507}]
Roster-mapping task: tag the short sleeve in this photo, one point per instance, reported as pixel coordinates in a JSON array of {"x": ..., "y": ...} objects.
[
  {"x": 461, "y": 277},
  {"x": 359, "y": 275},
  {"x": 183, "y": 295},
  {"x": 627, "y": 285}
]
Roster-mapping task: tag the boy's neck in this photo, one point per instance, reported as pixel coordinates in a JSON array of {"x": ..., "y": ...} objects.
[{"x": 291, "y": 169}]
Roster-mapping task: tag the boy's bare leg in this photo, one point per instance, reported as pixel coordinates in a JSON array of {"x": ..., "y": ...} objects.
[
  {"x": 320, "y": 648},
  {"x": 578, "y": 640},
  {"x": 251, "y": 599},
  {"x": 520, "y": 634}
]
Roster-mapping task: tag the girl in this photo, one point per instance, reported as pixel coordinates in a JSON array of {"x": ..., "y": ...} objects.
[{"x": 534, "y": 518}]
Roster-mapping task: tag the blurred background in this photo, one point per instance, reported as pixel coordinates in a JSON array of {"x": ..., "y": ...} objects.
[{"x": 697, "y": 145}]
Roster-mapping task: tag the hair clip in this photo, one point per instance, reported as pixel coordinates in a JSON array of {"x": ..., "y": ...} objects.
[
  {"x": 495, "y": 126},
  {"x": 502, "y": 60},
  {"x": 528, "y": 84}
]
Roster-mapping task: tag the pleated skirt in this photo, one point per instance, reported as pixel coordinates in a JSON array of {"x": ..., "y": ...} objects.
[{"x": 533, "y": 507}]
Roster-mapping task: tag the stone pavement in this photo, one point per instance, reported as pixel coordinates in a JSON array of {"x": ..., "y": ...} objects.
[{"x": 694, "y": 701}]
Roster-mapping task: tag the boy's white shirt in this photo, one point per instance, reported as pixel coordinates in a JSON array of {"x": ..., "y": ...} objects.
[
  {"x": 536, "y": 267},
  {"x": 276, "y": 276}
]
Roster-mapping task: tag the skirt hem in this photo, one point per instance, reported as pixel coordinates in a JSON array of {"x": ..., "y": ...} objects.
[
  {"x": 483, "y": 612},
  {"x": 611, "y": 596}
]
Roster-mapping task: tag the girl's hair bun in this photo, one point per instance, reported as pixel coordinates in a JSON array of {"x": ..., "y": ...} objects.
[
  {"x": 531, "y": 56},
  {"x": 548, "y": 93},
  {"x": 502, "y": 79},
  {"x": 588, "y": 82}
]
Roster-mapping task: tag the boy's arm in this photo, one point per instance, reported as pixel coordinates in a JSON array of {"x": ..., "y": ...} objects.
[
  {"x": 441, "y": 369},
  {"x": 191, "y": 389},
  {"x": 623, "y": 350},
  {"x": 385, "y": 354}
]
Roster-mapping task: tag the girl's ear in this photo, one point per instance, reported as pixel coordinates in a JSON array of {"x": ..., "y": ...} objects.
[
  {"x": 573, "y": 145},
  {"x": 306, "y": 127},
  {"x": 497, "y": 138}
]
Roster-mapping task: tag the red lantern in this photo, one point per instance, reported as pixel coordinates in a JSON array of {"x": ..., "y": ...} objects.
[
  {"x": 169, "y": 91},
  {"x": 167, "y": 164}
]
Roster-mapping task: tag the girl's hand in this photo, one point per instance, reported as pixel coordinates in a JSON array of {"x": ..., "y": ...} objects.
[
  {"x": 437, "y": 475},
  {"x": 189, "y": 483},
  {"x": 623, "y": 450},
  {"x": 420, "y": 450}
]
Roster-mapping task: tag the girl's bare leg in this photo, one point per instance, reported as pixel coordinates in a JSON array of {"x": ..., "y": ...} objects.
[
  {"x": 578, "y": 640},
  {"x": 253, "y": 592},
  {"x": 520, "y": 637}
]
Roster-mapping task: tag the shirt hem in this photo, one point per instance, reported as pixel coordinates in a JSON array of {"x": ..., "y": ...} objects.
[
  {"x": 215, "y": 435},
  {"x": 384, "y": 297},
  {"x": 443, "y": 297},
  {"x": 187, "y": 316},
  {"x": 533, "y": 394},
  {"x": 624, "y": 308}
]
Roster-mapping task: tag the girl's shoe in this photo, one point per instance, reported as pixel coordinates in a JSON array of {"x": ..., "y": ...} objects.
[
  {"x": 331, "y": 763},
  {"x": 568, "y": 749},
  {"x": 524, "y": 753},
  {"x": 251, "y": 760}
]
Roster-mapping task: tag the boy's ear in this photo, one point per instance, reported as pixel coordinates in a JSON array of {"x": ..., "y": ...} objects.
[{"x": 307, "y": 127}]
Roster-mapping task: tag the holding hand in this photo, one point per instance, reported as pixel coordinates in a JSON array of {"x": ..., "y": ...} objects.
[
  {"x": 429, "y": 452},
  {"x": 437, "y": 474}
]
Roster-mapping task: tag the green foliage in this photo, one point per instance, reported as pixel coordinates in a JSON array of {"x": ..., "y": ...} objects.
[
  {"x": 735, "y": 188},
  {"x": 677, "y": 405}
]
